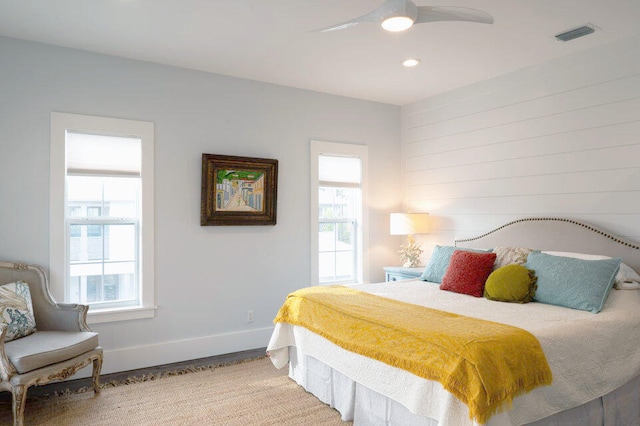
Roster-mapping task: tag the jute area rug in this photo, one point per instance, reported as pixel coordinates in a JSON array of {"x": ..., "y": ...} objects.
[{"x": 246, "y": 393}]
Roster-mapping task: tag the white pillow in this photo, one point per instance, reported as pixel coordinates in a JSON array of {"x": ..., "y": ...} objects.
[
  {"x": 510, "y": 255},
  {"x": 626, "y": 279}
]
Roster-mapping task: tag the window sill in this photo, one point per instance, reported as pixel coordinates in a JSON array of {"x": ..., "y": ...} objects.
[{"x": 122, "y": 314}]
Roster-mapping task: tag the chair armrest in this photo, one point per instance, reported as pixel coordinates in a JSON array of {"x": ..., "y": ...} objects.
[
  {"x": 65, "y": 317},
  {"x": 7, "y": 370},
  {"x": 67, "y": 305}
]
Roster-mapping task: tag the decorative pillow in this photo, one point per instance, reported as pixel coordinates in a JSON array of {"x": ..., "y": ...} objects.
[
  {"x": 626, "y": 278},
  {"x": 571, "y": 282},
  {"x": 627, "y": 285},
  {"x": 439, "y": 262},
  {"x": 582, "y": 256},
  {"x": 16, "y": 310},
  {"x": 511, "y": 283},
  {"x": 510, "y": 255},
  {"x": 467, "y": 272}
]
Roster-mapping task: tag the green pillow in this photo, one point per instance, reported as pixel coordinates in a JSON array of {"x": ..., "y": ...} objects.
[{"x": 511, "y": 283}]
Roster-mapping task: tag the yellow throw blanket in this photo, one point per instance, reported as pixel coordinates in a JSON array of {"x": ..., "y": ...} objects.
[{"x": 483, "y": 363}]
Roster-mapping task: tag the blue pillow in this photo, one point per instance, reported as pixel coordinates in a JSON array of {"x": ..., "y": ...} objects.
[
  {"x": 573, "y": 283},
  {"x": 439, "y": 262}
]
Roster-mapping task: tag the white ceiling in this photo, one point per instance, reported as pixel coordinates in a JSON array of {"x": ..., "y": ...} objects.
[{"x": 273, "y": 41}]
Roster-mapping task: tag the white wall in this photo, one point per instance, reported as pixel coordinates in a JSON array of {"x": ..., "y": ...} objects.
[
  {"x": 206, "y": 277},
  {"x": 559, "y": 139}
]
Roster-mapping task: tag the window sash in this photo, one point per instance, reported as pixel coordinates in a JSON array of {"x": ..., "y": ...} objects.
[
  {"x": 353, "y": 275},
  {"x": 102, "y": 221},
  {"x": 106, "y": 304},
  {"x": 338, "y": 247}
]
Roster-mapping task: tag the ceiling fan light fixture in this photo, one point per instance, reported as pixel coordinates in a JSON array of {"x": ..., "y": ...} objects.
[
  {"x": 397, "y": 23},
  {"x": 411, "y": 62},
  {"x": 400, "y": 15}
]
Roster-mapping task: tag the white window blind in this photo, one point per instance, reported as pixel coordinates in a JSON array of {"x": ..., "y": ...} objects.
[
  {"x": 339, "y": 171},
  {"x": 88, "y": 154}
]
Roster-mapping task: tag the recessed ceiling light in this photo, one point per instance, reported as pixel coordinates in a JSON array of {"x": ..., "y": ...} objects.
[
  {"x": 412, "y": 62},
  {"x": 397, "y": 23}
]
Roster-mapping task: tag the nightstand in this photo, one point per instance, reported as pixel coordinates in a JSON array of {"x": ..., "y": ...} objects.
[{"x": 397, "y": 273}]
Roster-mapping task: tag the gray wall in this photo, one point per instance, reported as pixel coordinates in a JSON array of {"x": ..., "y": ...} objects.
[
  {"x": 558, "y": 139},
  {"x": 206, "y": 277}
]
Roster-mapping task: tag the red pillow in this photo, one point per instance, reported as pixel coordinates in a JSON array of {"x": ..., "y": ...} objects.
[{"x": 467, "y": 272}]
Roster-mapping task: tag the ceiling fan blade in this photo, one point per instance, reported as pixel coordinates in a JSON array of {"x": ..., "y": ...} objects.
[
  {"x": 369, "y": 17},
  {"x": 444, "y": 13},
  {"x": 337, "y": 27}
]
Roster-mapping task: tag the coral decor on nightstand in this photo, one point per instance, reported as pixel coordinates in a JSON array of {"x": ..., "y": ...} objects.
[{"x": 410, "y": 254}]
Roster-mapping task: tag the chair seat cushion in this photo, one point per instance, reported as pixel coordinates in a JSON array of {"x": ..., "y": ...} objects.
[{"x": 44, "y": 348}]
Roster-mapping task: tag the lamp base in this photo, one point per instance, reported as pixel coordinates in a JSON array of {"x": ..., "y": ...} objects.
[{"x": 410, "y": 255}]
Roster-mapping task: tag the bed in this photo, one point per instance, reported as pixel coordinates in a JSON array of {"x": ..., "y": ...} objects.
[{"x": 594, "y": 357}]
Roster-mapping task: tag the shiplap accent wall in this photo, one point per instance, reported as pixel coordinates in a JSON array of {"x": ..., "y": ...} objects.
[{"x": 560, "y": 139}]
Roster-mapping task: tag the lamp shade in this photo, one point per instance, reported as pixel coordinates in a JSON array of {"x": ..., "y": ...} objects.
[{"x": 409, "y": 223}]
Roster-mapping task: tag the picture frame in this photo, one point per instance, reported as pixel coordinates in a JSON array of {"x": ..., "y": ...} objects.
[{"x": 238, "y": 190}]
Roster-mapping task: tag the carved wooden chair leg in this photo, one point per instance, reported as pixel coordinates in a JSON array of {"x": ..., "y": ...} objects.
[
  {"x": 97, "y": 367},
  {"x": 19, "y": 394}
]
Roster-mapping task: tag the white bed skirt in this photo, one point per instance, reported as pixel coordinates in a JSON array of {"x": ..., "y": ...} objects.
[{"x": 363, "y": 406}]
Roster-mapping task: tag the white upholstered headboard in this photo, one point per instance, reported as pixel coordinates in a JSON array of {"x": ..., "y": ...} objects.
[{"x": 557, "y": 234}]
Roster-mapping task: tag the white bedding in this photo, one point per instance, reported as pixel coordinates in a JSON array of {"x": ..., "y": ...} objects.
[{"x": 589, "y": 354}]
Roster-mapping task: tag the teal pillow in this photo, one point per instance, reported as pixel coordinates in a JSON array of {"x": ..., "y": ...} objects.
[
  {"x": 573, "y": 283},
  {"x": 439, "y": 262}
]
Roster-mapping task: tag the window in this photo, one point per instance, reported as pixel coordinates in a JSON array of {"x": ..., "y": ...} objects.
[
  {"x": 102, "y": 215},
  {"x": 338, "y": 218}
]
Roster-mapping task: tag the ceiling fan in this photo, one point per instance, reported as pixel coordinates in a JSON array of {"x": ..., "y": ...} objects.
[{"x": 400, "y": 15}]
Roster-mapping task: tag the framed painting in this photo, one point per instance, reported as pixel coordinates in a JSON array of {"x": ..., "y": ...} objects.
[{"x": 238, "y": 190}]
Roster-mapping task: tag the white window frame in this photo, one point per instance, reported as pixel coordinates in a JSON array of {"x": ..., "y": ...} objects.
[
  {"x": 60, "y": 124},
  {"x": 318, "y": 148}
]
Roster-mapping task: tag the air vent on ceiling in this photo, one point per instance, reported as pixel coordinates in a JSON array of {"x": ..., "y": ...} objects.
[{"x": 576, "y": 32}]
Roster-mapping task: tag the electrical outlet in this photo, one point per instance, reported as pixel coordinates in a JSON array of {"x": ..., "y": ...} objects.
[{"x": 250, "y": 317}]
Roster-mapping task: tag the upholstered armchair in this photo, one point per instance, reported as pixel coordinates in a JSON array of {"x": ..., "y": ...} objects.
[{"x": 61, "y": 344}]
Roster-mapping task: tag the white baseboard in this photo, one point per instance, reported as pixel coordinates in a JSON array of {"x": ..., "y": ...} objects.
[{"x": 132, "y": 358}]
